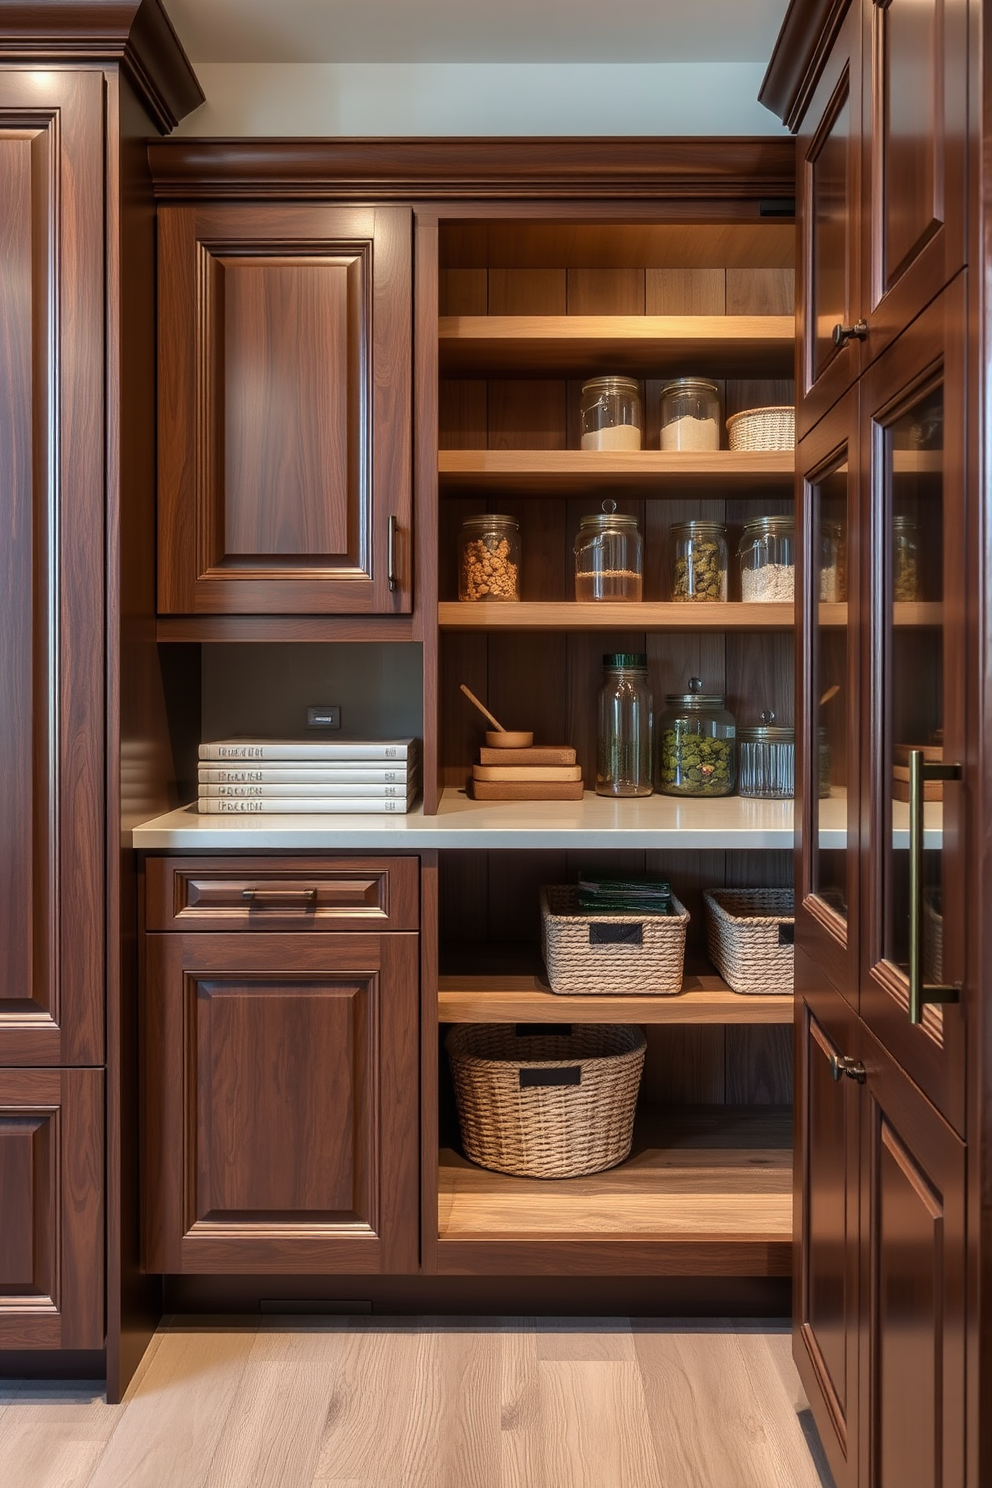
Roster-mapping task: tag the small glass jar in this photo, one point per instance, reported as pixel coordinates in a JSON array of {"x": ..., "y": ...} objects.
[
  {"x": 611, "y": 414},
  {"x": 823, "y": 763},
  {"x": 489, "y": 558},
  {"x": 768, "y": 560},
  {"x": 767, "y": 760},
  {"x": 690, "y": 415},
  {"x": 624, "y": 752},
  {"x": 905, "y": 560},
  {"x": 833, "y": 563},
  {"x": 608, "y": 556},
  {"x": 697, "y": 753},
  {"x": 699, "y": 560}
]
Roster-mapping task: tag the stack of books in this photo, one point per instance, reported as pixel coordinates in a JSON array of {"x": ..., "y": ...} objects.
[
  {"x": 649, "y": 896},
  {"x": 239, "y": 776},
  {"x": 543, "y": 772}
]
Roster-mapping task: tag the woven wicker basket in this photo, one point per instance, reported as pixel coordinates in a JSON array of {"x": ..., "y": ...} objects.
[
  {"x": 546, "y": 1105},
  {"x": 762, "y": 429},
  {"x": 749, "y": 936},
  {"x": 610, "y": 955}
]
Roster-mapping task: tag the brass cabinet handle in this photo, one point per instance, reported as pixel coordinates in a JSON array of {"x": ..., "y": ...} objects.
[
  {"x": 284, "y": 898},
  {"x": 920, "y": 771},
  {"x": 856, "y": 332},
  {"x": 843, "y": 1064},
  {"x": 391, "y": 555}
]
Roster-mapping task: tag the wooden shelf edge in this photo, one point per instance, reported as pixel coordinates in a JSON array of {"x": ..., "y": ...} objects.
[
  {"x": 596, "y": 465},
  {"x": 501, "y": 1255},
  {"x": 569, "y": 615},
  {"x": 705, "y": 999}
]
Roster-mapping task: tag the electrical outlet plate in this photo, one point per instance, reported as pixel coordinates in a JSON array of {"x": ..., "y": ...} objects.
[{"x": 324, "y": 716}]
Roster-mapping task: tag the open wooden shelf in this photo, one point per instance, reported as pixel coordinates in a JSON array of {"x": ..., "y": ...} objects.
[
  {"x": 716, "y": 1181},
  {"x": 649, "y": 345},
  {"x": 607, "y": 615},
  {"x": 916, "y": 614},
  {"x": 582, "y": 472},
  {"x": 527, "y": 998}
]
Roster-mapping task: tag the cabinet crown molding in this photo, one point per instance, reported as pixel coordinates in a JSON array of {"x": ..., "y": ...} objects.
[
  {"x": 137, "y": 34},
  {"x": 801, "y": 48},
  {"x": 448, "y": 168}
]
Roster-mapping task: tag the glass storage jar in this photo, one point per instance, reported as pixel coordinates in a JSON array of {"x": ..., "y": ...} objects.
[
  {"x": 766, "y": 758},
  {"x": 905, "y": 560},
  {"x": 696, "y": 744},
  {"x": 699, "y": 560},
  {"x": 823, "y": 763},
  {"x": 611, "y": 414},
  {"x": 608, "y": 556},
  {"x": 489, "y": 559},
  {"x": 624, "y": 754},
  {"x": 833, "y": 563},
  {"x": 768, "y": 560},
  {"x": 690, "y": 415}
]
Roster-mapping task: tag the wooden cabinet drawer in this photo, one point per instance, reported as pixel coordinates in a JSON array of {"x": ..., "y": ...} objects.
[{"x": 290, "y": 894}]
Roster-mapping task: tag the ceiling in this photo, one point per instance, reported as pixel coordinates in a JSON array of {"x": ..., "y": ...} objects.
[{"x": 610, "y": 31}]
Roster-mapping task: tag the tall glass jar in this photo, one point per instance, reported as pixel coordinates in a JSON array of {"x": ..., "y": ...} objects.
[
  {"x": 905, "y": 559},
  {"x": 768, "y": 560},
  {"x": 833, "y": 562},
  {"x": 611, "y": 414},
  {"x": 699, "y": 560},
  {"x": 696, "y": 744},
  {"x": 489, "y": 558},
  {"x": 690, "y": 415},
  {"x": 767, "y": 760},
  {"x": 608, "y": 556},
  {"x": 624, "y": 754}
]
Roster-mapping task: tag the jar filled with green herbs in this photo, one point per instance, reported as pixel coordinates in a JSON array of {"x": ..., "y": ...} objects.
[
  {"x": 699, "y": 561},
  {"x": 624, "y": 752},
  {"x": 697, "y": 749}
]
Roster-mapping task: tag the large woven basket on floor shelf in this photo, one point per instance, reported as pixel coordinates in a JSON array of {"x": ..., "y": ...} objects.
[
  {"x": 610, "y": 954},
  {"x": 546, "y": 1105},
  {"x": 749, "y": 935},
  {"x": 762, "y": 429}
]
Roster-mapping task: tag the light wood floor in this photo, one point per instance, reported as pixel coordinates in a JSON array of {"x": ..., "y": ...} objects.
[{"x": 427, "y": 1403}]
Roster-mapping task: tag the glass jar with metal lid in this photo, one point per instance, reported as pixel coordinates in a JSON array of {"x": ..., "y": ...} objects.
[
  {"x": 768, "y": 560},
  {"x": 833, "y": 562},
  {"x": 489, "y": 559},
  {"x": 699, "y": 560},
  {"x": 767, "y": 760},
  {"x": 905, "y": 559},
  {"x": 611, "y": 414},
  {"x": 690, "y": 415},
  {"x": 696, "y": 744},
  {"x": 624, "y": 752},
  {"x": 608, "y": 556}
]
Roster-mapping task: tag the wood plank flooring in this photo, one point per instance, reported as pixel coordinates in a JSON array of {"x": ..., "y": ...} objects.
[{"x": 428, "y": 1403}]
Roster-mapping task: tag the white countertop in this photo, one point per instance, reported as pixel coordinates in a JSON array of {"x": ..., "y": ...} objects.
[{"x": 595, "y": 821}]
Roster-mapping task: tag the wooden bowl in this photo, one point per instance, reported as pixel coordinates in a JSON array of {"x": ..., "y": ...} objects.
[{"x": 509, "y": 739}]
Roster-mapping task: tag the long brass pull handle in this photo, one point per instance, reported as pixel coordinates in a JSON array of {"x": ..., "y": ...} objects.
[
  {"x": 391, "y": 555},
  {"x": 284, "y": 898},
  {"x": 920, "y": 993}
]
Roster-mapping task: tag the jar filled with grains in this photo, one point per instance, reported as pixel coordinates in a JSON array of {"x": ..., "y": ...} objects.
[
  {"x": 768, "y": 563},
  {"x": 833, "y": 563},
  {"x": 611, "y": 414},
  {"x": 905, "y": 560},
  {"x": 690, "y": 415},
  {"x": 696, "y": 744},
  {"x": 608, "y": 556},
  {"x": 699, "y": 560},
  {"x": 489, "y": 563}
]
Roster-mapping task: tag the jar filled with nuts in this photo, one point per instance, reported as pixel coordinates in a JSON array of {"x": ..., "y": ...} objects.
[
  {"x": 489, "y": 564},
  {"x": 699, "y": 560}
]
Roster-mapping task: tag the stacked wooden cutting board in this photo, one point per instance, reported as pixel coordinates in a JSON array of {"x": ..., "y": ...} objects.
[{"x": 540, "y": 772}]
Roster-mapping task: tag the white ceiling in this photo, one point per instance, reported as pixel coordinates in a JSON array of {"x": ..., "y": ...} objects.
[{"x": 610, "y": 31}]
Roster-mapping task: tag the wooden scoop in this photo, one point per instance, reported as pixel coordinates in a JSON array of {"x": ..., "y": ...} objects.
[{"x": 502, "y": 738}]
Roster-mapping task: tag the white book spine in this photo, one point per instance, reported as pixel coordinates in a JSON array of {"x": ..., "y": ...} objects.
[
  {"x": 287, "y": 749},
  {"x": 289, "y": 806},
  {"x": 287, "y": 774},
  {"x": 324, "y": 791}
]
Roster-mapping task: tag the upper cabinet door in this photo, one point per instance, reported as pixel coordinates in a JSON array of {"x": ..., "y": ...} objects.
[
  {"x": 285, "y": 410},
  {"x": 915, "y": 137},
  {"x": 828, "y": 298}
]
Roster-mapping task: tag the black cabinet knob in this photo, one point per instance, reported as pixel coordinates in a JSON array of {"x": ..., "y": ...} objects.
[{"x": 856, "y": 332}]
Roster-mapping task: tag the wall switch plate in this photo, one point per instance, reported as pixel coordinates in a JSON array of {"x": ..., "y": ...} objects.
[{"x": 324, "y": 716}]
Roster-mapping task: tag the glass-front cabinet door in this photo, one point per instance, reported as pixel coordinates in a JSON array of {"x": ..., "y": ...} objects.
[{"x": 913, "y": 568}]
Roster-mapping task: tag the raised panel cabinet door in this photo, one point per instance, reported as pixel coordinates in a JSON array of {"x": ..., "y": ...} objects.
[
  {"x": 282, "y": 1103},
  {"x": 52, "y": 570},
  {"x": 916, "y": 88},
  {"x": 913, "y": 1284},
  {"x": 285, "y": 336},
  {"x": 828, "y": 283},
  {"x": 51, "y": 1209},
  {"x": 825, "y": 1312}
]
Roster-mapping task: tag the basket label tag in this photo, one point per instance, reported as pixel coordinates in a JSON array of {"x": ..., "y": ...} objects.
[
  {"x": 615, "y": 934},
  {"x": 543, "y": 1030},
  {"x": 559, "y": 1076},
  {"x": 786, "y": 934}
]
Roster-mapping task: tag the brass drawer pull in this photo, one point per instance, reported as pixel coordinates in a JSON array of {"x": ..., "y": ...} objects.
[
  {"x": 843, "y": 1064},
  {"x": 280, "y": 898}
]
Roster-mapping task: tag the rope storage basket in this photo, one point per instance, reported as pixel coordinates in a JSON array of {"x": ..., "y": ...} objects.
[
  {"x": 749, "y": 935},
  {"x": 546, "y": 1105},
  {"x": 610, "y": 954},
  {"x": 762, "y": 429}
]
